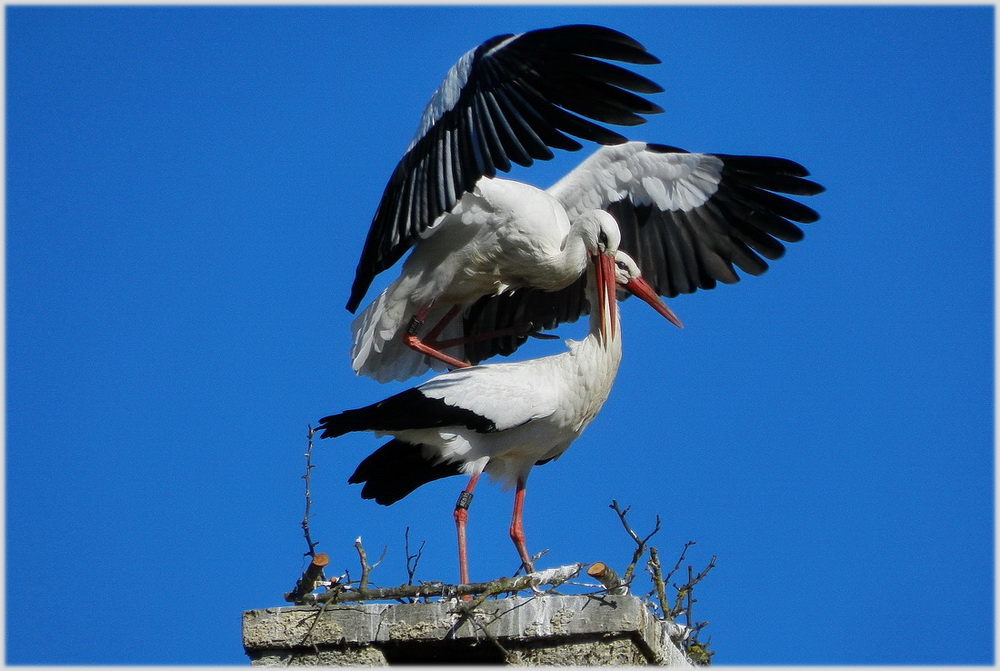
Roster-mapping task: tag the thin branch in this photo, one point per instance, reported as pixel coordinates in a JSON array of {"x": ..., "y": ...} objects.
[
  {"x": 307, "y": 636},
  {"x": 411, "y": 560},
  {"x": 534, "y": 559},
  {"x": 640, "y": 543},
  {"x": 684, "y": 592},
  {"x": 307, "y": 477},
  {"x": 365, "y": 568},
  {"x": 690, "y": 601},
  {"x": 680, "y": 560},
  {"x": 466, "y": 612}
]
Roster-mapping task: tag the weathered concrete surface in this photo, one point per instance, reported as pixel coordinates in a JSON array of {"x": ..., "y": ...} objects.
[{"x": 536, "y": 630}]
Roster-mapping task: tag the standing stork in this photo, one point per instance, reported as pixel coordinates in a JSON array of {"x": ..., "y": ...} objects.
[
  {"x": 502, "y": 418},
  {"x": 510, "y": 100}
]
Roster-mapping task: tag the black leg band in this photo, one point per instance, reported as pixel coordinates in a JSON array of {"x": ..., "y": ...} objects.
[{"x": 464, "y": 499}]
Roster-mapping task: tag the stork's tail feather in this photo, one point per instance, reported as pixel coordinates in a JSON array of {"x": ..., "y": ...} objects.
[
  {"x": 407, "y": 410},
  {"x": 377, "y": 347},
  {"x": 397, "y": 468}
]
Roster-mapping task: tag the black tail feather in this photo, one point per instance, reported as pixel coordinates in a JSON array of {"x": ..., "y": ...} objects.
[
  {"x": 397, "y": 468},
  {"x": 407, "y": 410}
]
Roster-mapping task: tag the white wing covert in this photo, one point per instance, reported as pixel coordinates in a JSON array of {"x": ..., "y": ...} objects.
[{"x": 526, "y": 397}]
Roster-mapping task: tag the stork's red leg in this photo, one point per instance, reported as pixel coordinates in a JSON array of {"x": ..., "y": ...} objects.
[
  {"x": 432, "y": 335},
  {"x": 517, "y": 529},
  {"x": 461, "y": 517},
  {"x": 414, "y": 342},
  {"x": 432, "y": 347}
]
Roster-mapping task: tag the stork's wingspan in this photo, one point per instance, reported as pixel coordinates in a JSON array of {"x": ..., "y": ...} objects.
[
  {"x": 687, "y": 219},
  {"x": 509, "y": 100}
]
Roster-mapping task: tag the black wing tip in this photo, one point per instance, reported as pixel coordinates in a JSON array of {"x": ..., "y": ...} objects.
[
  {"x": 329, "y": 427},
  {"x": 814, "y": 188}
]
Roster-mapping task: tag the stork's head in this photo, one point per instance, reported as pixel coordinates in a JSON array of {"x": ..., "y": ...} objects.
[
  {"x": 599, "y": 232},
  {"x": 628, "y": 277},
  {"x": 614, "y": 268}
]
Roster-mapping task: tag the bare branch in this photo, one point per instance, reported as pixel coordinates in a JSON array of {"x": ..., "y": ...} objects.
[
  {"x": 467, "y": 612},
  {"x": 307, "y": 477},
  {"x": 680, "y": 560},
  {"x": 656, "y": 573},
  {"x": 640, "y": 543},
  {"x": 412, "y": 560},
  {"x": 492, "y": 588}
]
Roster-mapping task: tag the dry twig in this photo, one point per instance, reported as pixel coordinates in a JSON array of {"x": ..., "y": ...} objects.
[
  {"x": 492, "y": 588},
  {"x": 411, "y": 560},
  {"x": 307, "y": 477},
  {"x": 365, "y": 568},
  {"x": 640, "y": 543},
  {"x": 684, "y": 591},
  {"x": 679, "y": 561}
]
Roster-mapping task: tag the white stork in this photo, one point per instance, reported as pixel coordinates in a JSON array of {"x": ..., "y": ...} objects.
[
  {"x": 511, "y": 99},
  {"x": 685, "y": 218},
  {"x": 501, "y": 418}
]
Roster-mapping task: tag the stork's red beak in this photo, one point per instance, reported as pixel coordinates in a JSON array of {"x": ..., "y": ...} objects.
[
  {"x": 641, "y": 289},
  {"x": 607, "y": 302}
]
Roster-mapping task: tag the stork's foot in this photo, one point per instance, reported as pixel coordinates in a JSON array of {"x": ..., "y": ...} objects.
[{"x": 543, "y": 336}]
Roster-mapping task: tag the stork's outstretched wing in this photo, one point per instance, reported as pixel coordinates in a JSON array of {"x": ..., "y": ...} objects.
[
  {"x": 687, "y": 220},
  {"x": 510, "y": 100}
]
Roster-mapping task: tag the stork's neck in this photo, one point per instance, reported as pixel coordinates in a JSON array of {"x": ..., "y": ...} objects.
[
  {"x": 573, "y": 257},
  {"x": 596, "y": 357}
]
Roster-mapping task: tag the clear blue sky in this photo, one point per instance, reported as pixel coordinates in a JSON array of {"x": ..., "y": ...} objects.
[{"x": 188, "y": 190}]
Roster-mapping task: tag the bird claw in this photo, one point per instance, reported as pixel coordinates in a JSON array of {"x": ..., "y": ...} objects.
[{"x": 533, "y": 333}]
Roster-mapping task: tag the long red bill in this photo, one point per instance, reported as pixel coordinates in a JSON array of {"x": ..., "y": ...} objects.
[
  {"x": 607, "y": 304},
  {"x": 640, "y": 288}
]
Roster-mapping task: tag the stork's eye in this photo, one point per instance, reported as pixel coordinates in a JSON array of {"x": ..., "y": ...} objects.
[
  {"x": 622, "y": 265},
  {"x": 602, "y": 238}
]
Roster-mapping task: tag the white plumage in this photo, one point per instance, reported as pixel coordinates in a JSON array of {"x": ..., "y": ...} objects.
[
  {"x": 685, "y": 218},
  {"x": 501, "y": 237},
  {"x": 510, "y": 100},
  {"x": 501, "y": 419}
]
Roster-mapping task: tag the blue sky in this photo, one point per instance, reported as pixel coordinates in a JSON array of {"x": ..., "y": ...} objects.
[{"x": 188, "y": 189}]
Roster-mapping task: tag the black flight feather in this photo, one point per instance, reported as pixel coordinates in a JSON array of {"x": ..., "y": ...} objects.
[{"x": 397, "y": 468}]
